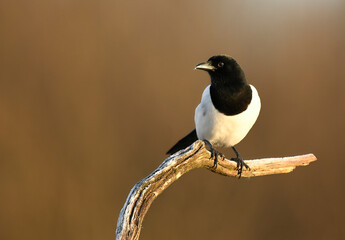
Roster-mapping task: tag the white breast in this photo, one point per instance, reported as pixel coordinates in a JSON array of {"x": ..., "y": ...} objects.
[{"x": 221, "y": 130}]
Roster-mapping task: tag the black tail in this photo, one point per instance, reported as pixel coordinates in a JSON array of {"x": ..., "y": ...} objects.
[{"x": 184, "y": 142}]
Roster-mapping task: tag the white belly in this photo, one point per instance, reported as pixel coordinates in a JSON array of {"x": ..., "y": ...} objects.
[{"x": 221, "y": 130}]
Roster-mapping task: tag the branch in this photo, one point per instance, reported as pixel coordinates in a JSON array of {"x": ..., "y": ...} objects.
[{"x": 144, "y": 192}]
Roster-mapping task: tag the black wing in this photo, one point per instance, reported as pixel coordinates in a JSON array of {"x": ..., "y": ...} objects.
[{"x": 184, "y": 142}]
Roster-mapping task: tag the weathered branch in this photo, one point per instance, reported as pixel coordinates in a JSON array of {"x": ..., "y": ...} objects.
[{"x": 196, "y": 156}]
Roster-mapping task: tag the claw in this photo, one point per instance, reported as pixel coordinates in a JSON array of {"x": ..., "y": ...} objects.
[
  {"x": 240, "y": 163},
  {"x": 214, "y": 154}
]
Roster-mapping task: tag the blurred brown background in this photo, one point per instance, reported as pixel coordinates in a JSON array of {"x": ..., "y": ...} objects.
[{"x": 93, "y": 93}]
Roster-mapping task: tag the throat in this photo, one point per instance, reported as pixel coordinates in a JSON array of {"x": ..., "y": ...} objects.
[{"x": 229, "y": 100}]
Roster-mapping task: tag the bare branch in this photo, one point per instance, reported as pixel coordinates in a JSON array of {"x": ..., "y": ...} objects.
[{"x": 144, "y": 192}]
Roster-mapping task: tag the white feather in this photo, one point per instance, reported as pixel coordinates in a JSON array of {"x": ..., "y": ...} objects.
[{"x": 221, "y": 130}]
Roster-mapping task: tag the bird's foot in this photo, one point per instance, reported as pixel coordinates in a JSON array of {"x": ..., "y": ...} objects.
[
  {"x": 214, "y": 154},
  {"x": 240, "y": 164}
]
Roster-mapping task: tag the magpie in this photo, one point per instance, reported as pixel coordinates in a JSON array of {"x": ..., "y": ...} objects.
[{"x": 228, "y": 109}]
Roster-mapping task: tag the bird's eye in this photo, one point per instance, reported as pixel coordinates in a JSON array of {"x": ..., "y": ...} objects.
[{"x": 220, "y": 64}]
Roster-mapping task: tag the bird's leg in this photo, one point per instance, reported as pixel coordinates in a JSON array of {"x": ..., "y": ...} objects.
[
  {"x": 214, "y": 153},
  {"x": 240, "y": 162}
]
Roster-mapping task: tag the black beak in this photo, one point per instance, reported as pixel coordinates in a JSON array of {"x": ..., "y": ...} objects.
[{"x": 206, "y": 66}]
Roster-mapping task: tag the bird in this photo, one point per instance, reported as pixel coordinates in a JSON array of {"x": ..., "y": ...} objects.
[{"x": 228, "y": 109}]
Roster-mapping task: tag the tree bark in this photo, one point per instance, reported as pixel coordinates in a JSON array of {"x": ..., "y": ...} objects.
[{"x": 145, "y": 191}]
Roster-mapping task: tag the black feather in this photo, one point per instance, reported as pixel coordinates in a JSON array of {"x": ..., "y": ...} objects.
[{"x": 184, "y": 142}]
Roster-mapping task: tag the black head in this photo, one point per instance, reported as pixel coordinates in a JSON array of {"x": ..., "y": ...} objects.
[
  {"x": 230, "y": 92},
  {"x": 223, "y": 70}
]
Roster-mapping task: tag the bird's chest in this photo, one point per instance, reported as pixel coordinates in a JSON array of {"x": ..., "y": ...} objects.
[
  {"x": 219, "y": 129},
  {"x": 222, "y": 130}
]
